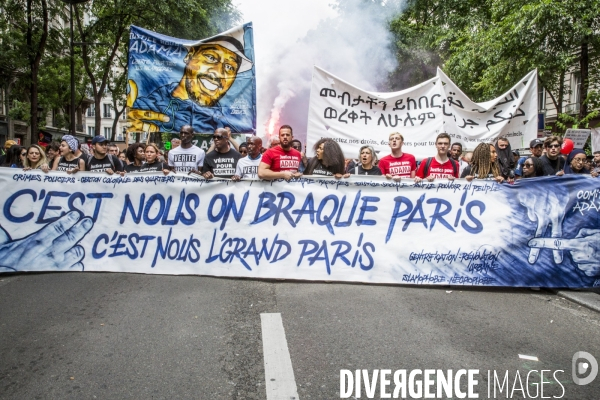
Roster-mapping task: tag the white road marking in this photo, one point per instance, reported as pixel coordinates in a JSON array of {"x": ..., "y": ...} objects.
[{"x": 279, "y": 374}]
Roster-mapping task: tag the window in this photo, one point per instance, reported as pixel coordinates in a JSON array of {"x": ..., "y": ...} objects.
[
  {"x": 91, "y": 111},
  {"x": 108, "y": 133},
  {"x": 107, "y": 111},
  {"x": 91, "y": 131},
  {"x": 575, "y": 92},
  {"x": 541, "y": 98}
]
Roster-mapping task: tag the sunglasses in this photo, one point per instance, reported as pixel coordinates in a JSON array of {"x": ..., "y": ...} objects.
[
  {"x": 554, "y": 146},
  {"x": 218, "y": 137},
  {"x": 23, "y": 154}
]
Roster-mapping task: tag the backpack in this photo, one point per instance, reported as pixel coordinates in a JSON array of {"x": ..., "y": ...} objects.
[
  {"x": 110, "y": 158},
  {"x": 428, "y": 164}
]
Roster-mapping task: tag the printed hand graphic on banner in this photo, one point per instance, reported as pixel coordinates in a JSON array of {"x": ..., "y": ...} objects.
[
  {"x": 584, "y": 248},
  {"x": 139, "y": 118},
  {"x": 546, "y": 208},
  {"x": 54, "y": 246}
]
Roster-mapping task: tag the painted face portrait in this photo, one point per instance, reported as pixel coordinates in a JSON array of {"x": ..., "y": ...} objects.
[{"x": 209, "y": 73}]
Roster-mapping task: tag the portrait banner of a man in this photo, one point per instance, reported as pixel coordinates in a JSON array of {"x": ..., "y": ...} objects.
[{"x": 208, "y": 83}]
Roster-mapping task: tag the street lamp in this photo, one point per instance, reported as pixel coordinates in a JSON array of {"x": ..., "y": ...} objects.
[
  {"x": 71, "y": 3},
  {"x": 40, "y": 113}
]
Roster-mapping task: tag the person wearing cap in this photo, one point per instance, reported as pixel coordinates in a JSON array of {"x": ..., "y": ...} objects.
[
  {"x": 536, "y": 146},
  {"x": 211, "y": 68},
  {"x": 102, "y": 161},
  {"x": 7, "y": 145},
  {"x": 68, "y": 161}
]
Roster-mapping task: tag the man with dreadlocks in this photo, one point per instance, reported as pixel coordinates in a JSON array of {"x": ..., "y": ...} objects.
[
  {"x": 329, "y": 160},
  {"x": 484, "y": 164}
]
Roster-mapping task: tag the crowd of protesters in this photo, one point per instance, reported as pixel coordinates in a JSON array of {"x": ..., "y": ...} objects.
[{"x": 284, "y": 159}]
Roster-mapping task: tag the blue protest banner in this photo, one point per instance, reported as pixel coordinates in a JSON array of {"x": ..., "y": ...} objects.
[
  {"x": 538, "y": 232},
  {"x": 208, "y": 83}
]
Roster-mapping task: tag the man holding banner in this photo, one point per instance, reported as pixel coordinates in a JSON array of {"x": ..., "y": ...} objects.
[
  {"x": 440, "y": 166},
  {"x": 398, "y": 165},
  {"x": 281, "y": 162},
  {"x": 187, "y": 157}
]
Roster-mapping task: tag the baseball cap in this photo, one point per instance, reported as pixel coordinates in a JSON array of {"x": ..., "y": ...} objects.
[
  {"x": 536, "y": 142},
  {"x": 232, "y": 40},
  {"x": 98, "y": 139}
]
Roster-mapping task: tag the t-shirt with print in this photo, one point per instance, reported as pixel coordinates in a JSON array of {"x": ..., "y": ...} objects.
[
  {"x": 437, "y": 170},
  {"x": 319, "y": 169},
  {"x": 467, "y": 172},
  {"x": 185, "y": 160},
  {"x": 280, "y": 160},
  {"x": 247, "y": 168},
  {"x": 359, "y": 170},
  {"x": 64, "y": 165},
  {"x": 129, "y": 168},
  {"x": 156, "y": 166},
  {"x": 101, "y": 165},
  {"x": 398, "y": 166},
  {"x": 221, "y": 165}
]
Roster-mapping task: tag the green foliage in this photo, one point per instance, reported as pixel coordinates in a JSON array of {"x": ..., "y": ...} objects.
[
  {"x": 20, "y": 111},
  {"x": 107, "y": 22},
  {"x": 486, "y": 46}
]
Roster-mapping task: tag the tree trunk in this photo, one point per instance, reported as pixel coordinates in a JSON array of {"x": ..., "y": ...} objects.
[
  {"x": 561, "y": 93},
  {"x": 98, "y": 86},
  {"x": 35, "y": 56},
  {"x": 584, "y": 62}
]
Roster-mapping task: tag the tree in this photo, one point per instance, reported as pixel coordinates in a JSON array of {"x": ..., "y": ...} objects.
[
  {"x": 487, "y": 46},
  {"x": 34, "y": 66}
]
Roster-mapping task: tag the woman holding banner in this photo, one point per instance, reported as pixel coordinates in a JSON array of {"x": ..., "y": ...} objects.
[
  {"x": 368, "y": 159},
  {"x": 68, "y": 161},
  {"x": 152, "y": 163},
  {"x": 484, "y": 164},
  {"x": 576, "y": 163},
  {"x": 329, "y": 160},
  {"x": 36, "y": 159},
  {"x": 136, "y": 154}
]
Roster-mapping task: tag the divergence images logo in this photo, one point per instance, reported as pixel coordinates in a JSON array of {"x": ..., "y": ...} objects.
[{"x": 580, "y": 367}]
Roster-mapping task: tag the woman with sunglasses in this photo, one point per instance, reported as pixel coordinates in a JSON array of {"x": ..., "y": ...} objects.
[
  {"x": 68, "y": 161},
  {"x": 14, "y": 157},
  {"x": 576, "y": 163},
  {"x": 36, "y": 159},
  {"x": 532, "y": 167}
]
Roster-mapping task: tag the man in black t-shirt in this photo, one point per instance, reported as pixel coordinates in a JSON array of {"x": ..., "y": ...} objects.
[
  {"x": 220, "y": 162},
  {"x": 101, "y": 161},
  {"x": 552, "y": 161}
]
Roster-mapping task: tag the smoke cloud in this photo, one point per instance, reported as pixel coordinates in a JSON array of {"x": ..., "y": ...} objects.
[{"x": 355, "y": 46}]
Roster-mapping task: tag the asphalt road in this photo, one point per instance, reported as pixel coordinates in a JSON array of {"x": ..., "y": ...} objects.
[{"x": 116, "y": 336}]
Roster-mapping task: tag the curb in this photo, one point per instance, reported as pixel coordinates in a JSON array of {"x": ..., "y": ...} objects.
[{"x": 590, "y": 300}]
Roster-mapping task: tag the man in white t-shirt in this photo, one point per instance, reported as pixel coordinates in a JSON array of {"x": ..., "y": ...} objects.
[
  {"x": 247, "y": 167},
  {"x": 187, "y": 157}
]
